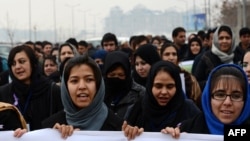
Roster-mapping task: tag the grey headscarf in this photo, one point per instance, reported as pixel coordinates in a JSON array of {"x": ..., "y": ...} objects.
[
  {"x": 89, "y": 118},
  {"x": 224, "y": 57},
  {"x": 74, "y": 50}
]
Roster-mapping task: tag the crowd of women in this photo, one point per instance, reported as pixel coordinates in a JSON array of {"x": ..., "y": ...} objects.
[{"x": 131, "y": 89}]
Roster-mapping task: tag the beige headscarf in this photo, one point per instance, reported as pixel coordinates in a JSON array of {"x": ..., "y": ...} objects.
[{"x": 7, "y": 106}]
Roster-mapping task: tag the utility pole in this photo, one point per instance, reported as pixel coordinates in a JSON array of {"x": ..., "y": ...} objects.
[
  {"x": 30, "y": 20},
  {"x": 206, "y": 25},
  {"x": 84, "y": 20},
  {"x": 72, "y": 16},
  {"x": 35, "y": 33},
  {"x": 244, "y": 13},
  {"x": 209, "y": 13},
  {"x": 54, "y": 17},
  {"x": 195, "y": 21}
]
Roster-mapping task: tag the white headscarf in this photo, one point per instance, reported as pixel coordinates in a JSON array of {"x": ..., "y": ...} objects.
[{"x": 224, "y": 57}]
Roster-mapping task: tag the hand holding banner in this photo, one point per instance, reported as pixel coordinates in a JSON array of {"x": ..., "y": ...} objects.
[{"x": 53, "y": 135}]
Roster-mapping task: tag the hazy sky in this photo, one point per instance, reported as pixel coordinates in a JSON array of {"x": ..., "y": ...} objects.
[{"x": 41, "y": 15}]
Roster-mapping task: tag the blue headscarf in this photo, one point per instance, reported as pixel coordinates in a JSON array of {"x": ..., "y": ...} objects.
[{"x": 214, "y": 125}]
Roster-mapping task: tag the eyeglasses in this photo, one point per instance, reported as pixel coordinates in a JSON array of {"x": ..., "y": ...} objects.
[{"x": 237, "y": 97}]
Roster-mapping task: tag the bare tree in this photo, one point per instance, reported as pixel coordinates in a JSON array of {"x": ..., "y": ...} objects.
[
  {"x": 231, "y": 13},
  {"x": 10, "y": 30}
]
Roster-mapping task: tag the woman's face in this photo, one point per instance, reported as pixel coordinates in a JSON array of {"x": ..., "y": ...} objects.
[
  {"x": 170, "y": 54},
  {"x": 82, "y": 85},
  {"x": 66, "y": 51},
  {"x": 227, "y": 110},
  {"x": 225, "y": 41},
  {"x": 195, "y": 47},
  {"x": 21, "y": 67},
  {"x": 49, "y": 67},
  {"x": 164, "y": 88},
  {"x": 141, "y": 67},
  {"x": 246, "y": 65}
]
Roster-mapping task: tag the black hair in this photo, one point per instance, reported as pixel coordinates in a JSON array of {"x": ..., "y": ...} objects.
[
  {"x": 51, "y": 58},
  {"x": 109, "y": 37},
  {"x": 201, "y": 34},
  {"x": 244, "y": 31},
  {"x": 79, "y": 60},
  {"x": 46, "y": 43},
  {"x": 227, "y": 29},
  {"x": 83, "y": 43},
  {"x": 31, "y": 55},
  {"x": 177, "y": 30},
  {"x": 73, "y": 42},
  {"x": 166, "y": 45}
]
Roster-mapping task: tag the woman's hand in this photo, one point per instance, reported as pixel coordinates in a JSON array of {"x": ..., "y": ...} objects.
[
  {"x": 65, "y": 130},
  {"x": 131, "y": 132},
  {"x": 175, "y": 132},
  {"x": 19, "y": 132}
]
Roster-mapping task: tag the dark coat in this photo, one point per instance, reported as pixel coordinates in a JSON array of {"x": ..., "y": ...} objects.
[
  {"x": 240, "y": 51},
  {"x": 120, "y": 94},
  {"x": 196, "y": 125},
  {"x": 154, "y": 117},
  {"x": 44, "y": 101},
  {"x": 127, "y": 103},
  {"x": 186, "y": 111},
  {"x": 112, "y": 123},
  {"x": 208, "y": 62},
  {"x": 4, "y": 77}
]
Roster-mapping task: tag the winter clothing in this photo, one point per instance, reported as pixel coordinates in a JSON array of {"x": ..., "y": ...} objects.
[
  {"x": 213, "y": 58},
  {"x": 121, "y": 94},
  {"x": 154, "y": 117},
  {"x": 149, "y": 54},
  {"x": 206, "y": 122}
]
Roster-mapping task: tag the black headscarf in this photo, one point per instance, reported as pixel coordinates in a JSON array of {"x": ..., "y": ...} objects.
[
  {"x": 149, "y": 54},
  {"x": 117, "y": 88},
  {"x": 190, "y": 55},
  {"x": 157, "y": 117}
]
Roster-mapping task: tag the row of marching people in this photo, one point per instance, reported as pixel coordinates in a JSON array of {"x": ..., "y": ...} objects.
[{"x": 146, "y": 96}]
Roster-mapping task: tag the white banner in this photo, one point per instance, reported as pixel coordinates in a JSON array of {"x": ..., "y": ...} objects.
[{"x": 53, "y": 135}]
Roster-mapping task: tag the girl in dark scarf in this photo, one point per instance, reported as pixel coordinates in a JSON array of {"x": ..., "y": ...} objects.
[
  {"x": 30, "y": 91},
  {"x": 169, "y": 52},
  {"x": 144, "y": 57},
  {"x": 121, "y": 91},
  {"x": 164, "y": 103},
  {"x": 194, "y": 49}
]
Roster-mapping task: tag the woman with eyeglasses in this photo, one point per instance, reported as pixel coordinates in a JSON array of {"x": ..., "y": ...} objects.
[{"x": 225, "y": 101}]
